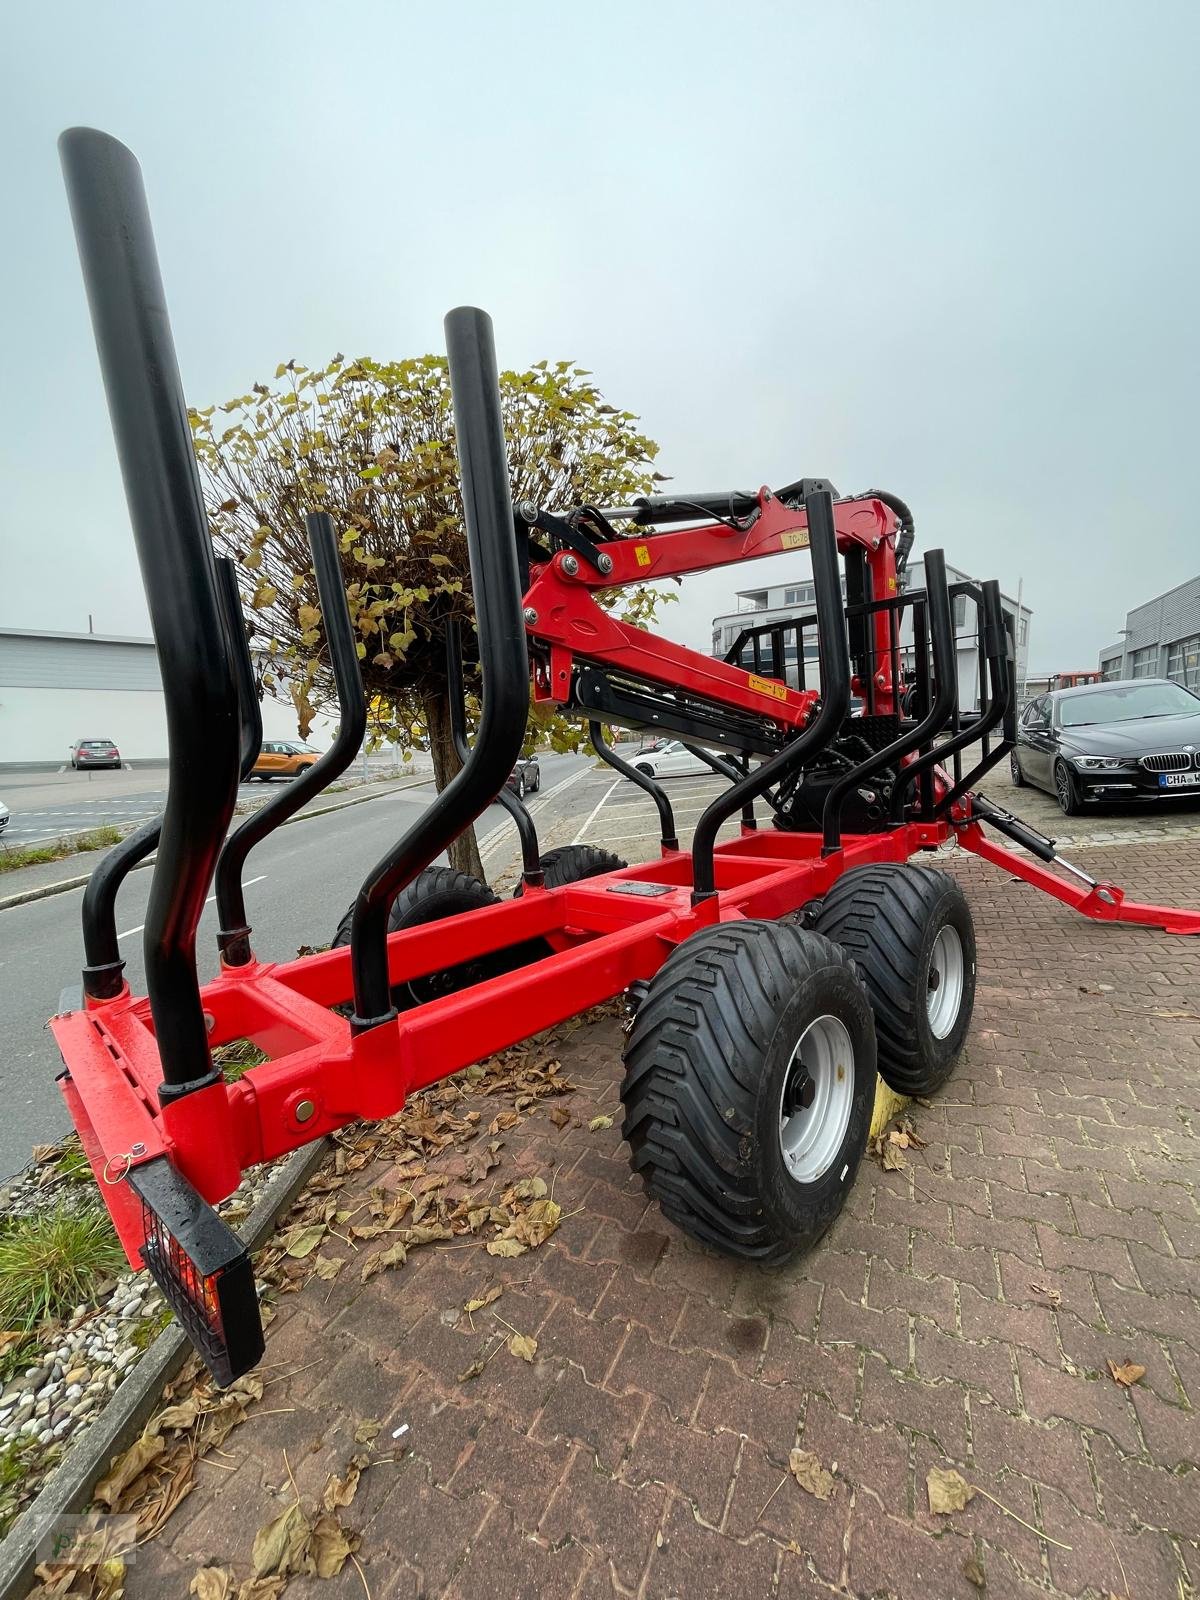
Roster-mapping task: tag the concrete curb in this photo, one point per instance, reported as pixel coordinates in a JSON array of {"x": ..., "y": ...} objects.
[
  {"x": 68, "y": 1489},
  {"x": 24, "y": 896}
]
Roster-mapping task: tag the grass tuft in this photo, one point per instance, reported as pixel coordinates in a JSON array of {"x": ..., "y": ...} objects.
[
  {"x": 53, "y": 1261},
  {"x": 237, "y": 1057},
  {"x": 35, "y": 855}
]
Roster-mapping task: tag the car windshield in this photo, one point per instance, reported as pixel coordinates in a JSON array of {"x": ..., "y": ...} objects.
[{"x": 1127, "y": 702}]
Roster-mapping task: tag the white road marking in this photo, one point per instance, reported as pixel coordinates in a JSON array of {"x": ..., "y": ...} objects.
[
  {"x": 596, "y": 810},
  {"x": 496, "y": 836},
  {"x": 129, "y": 932}
]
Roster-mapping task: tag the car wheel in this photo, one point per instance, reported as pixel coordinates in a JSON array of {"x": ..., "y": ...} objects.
[
  {"x": 646, "y": 768},
  {"x": 521, "y": 787},
  {"x": 305, "y": 768},
  {"x": 1065, "y": 790},
  {"x": 1014, "y": 768}
]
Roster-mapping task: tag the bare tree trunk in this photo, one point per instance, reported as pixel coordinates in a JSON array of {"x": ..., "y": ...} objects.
[{"x": 463, "y": 851}]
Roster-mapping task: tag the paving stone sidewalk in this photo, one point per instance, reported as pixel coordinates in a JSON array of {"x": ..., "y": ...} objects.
[{"x": 960, "y": 1313}]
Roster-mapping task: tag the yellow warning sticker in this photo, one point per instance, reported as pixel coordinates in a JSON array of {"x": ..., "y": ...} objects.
[
  {"x": 642, "y": 552},
  {"x": 794, "y": 539},
  {"x": 777, "y": 691}
]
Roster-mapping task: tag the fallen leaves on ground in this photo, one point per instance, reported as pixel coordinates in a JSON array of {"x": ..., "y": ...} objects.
[
  {"x": 1126, "y": 1373},
  {"x": 219, "y": 1583},
  {"x": 293, "y": 1545},
  {"x": 890, "y": 1145},
  {"x": 523, "y": 1345},
  {"x": 1052, "y": 1296},
  {"x": 487, "y": 1298},
  {"x": 808, "y": 1472},
  {"x": 104, "y": 1580},
  {"x": 974, "y": 1573},
  {"x": 948, "y": 1490},
  {"x": 598, "y": 1123},
  {"x": 149, "y": 1479},
  {"x": 412, "y": 1204}
]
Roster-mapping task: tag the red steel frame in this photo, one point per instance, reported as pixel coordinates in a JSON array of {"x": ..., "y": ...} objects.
[
  {"x": 571, "y": 623},
  {"x": 320, "y": 1076}
]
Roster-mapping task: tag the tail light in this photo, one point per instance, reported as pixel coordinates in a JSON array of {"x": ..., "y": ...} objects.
[{"x": 202, "y": 1268}]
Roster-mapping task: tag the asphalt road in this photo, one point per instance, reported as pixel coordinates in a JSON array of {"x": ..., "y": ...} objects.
[
  {"x": 298, "y": 883},
  {"x": 46, "y": 806}
]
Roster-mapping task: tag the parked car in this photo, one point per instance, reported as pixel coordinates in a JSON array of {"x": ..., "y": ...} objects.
[
  {"x": 94, "y": 753},
  {"x": 283, "y": 758},
  {"x": 3, "y": 816},
  {"x": 1136, "y": 740},
  {"x": 525, "y": 778},
  {"x": 671, "y": 761}
]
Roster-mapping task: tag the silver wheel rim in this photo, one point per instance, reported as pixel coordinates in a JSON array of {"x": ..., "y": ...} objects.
[
  {"x": 816, "y": 1099},
  {"x": 944, "y": 997},
  {"x": 1063, "y": 782}
]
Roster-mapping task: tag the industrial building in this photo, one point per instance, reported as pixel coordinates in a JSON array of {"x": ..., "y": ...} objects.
[
  {"x": 56, "y": 688},
  {"x": 1160, "y": 639},
  {"x": 781, "y": 602}
]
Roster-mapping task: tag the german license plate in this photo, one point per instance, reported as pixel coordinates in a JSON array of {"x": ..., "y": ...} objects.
[{"x": 1179, "y": 780}]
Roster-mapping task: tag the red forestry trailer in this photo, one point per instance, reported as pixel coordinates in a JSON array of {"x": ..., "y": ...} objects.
[{"x": 769, "y": 974}]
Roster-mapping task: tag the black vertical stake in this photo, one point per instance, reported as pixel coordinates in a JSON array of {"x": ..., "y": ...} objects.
[{"x": 166, "y": 509}]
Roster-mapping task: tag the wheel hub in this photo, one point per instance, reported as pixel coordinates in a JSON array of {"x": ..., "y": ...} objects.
[
  {"x": 816, "y": 1099},
  {"x": 946, "y": 981}
]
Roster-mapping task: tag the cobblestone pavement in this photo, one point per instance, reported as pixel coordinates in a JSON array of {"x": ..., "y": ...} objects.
[{"x": 960, "y": 1313}]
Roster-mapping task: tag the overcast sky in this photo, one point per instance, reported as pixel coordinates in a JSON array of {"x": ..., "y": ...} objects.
[{"x": 951, "y": 250}]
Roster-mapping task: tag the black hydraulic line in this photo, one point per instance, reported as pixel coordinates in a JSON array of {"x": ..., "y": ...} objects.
[
  {"x": 170, "y": 528},
  {"x": 233, "y": 937},
  {"x": 834, "y": 704},
  {"x": 531, "y": 863},
  {"x": 987, "y": 595},
  {"x": 503, "y": 654},
  {"x": 102, "y": 975},
  {"x": 666, "y": 817},
  {"x": 249, "y": 708},
  {"x": 941, "y": 629},
  {"x": 908, "y": 532}
]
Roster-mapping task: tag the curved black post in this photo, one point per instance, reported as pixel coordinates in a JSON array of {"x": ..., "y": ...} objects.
[
  {"x": 726, "y": 769},
  {"x": 941, "y": 631},
  {"x": 234, "y": 935},
  {"x": 102, "y": 976},
  {"x": 1000, "y": 709},
  {"x": 834, "y": 704},
  {"x": 249, "y": 709},
  {"x": 503, "y": 654},
  {"x": 666, "y": 817},
  {"x": 531, "y": 862},
  {"x": 166, "y": 509}
]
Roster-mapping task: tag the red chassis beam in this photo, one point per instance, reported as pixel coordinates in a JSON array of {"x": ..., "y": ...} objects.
[
  {"x": 1102, "y": 902},
  {"x": 600, "y": 939},
  {"x": 567, "y": 618},
  {"x": 319, "y": 1077}
]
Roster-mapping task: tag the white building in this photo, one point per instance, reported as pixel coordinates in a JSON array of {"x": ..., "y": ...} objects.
[
  {"x": 782, "y": 602},
  {"x": 56, "y": 688}
]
